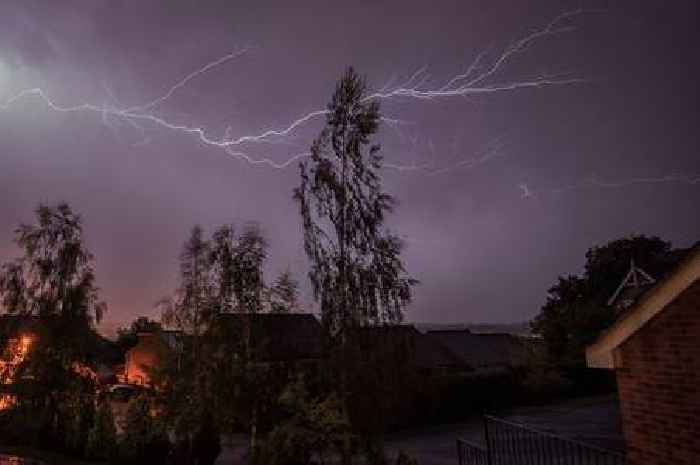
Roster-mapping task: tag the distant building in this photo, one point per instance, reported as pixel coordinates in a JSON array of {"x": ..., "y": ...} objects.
[
  {"x": 17, "y": 334},
  {"x": 485, "y": 354},
  {"x": 405, "y": 344},
  {"x": 146, "y": 355},
  {"x": 654, "y": 348},
  {"x": 20, "y": 333},
  {"x": 274, "y": 337}
]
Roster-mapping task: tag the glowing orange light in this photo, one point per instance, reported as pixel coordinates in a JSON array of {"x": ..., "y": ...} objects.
[{"x": 15, "y": 353}]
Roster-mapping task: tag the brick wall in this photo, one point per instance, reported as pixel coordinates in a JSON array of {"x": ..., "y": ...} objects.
[{"x": 659, "y": 385}]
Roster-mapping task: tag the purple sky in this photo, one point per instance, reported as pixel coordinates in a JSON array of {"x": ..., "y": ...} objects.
[{"x": 614, "y": 155}]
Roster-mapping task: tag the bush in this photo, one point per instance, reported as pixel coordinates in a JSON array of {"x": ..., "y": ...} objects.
[
  {"x": 405, "y": 459},
  {"x": 102, "y": 437},
  {"x": 144, "y": 440},
  {"x": 19, "y": 426},
  {"x": 313, "y": 428},
  {"x": 206, "y": 444}
]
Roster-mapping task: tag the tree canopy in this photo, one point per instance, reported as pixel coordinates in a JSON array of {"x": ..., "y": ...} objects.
[
  {"x": 53, "y": 284},
  {"x": 576, "y": 309},
  {"x": 356, "y": 271}
]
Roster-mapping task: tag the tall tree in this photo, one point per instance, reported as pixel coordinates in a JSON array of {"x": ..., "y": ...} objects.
[
  {"x": 189, "y": 310},
  {"x": 54, "y": 283},
  {"x": 55, "y": 277},
  {"x": 249, "y": 256},
  {"x": 222, "y": 258},
  {"x": 215, "y": 376},
  {"x": 356, "y": 271}
]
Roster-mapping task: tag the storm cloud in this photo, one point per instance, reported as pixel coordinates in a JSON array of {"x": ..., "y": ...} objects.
[{"x": 613, "y": 155}]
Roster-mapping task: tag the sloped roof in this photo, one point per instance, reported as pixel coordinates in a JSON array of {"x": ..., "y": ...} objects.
[
  {"x": 277, "y": 336},
  {"x": 601, "y": 354},
  {"x": 482, "y": 350},
  {"x": 424, "y": 352},
  {"x": 11, "y": 324},
  {"x": 103, "y": 350}
]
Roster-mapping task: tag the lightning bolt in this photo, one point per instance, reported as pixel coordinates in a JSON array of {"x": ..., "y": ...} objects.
[
  {"x": 183, "y": 82},
  {"x": 476, "y": 80},
  {"x": 526, "y": 192},
  {"x": 472, "y": 82}
]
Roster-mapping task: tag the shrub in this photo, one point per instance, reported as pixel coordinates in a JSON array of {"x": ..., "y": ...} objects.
[
  {"x": 144, "y": 439},
  {"x": 405, "y": 459},
  {"x": 206, "y": 444},
  {"x": 102, "y": 437}
]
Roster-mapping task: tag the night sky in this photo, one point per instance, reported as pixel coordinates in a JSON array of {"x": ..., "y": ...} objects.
[{"x": 499, "y": 191}]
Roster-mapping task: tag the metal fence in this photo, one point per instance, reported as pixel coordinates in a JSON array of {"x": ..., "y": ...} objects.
[
  {"x": 509, "y": 443},
  {"x": 469, "y": 453}
]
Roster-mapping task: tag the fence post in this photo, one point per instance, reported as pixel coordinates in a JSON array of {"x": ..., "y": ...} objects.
[{"x": 489, "y": 459}]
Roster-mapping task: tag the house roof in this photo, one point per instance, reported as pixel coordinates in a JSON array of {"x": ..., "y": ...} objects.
[
  {"x": 482, "y": 351},
  {"x": 102, "y": 349},
  {"x": 277, "y": 336},
  {"x": 425, "y": 352},
  {"x": 11, "y": 324},
  {"x": 601, "y": 354}
]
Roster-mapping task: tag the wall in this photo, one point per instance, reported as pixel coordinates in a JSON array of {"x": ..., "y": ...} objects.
[
  {"x": 659, "y": 385},
  {"x": 141, "y": 358}
]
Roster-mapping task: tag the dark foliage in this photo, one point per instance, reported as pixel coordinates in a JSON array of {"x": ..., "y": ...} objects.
[
  {"x": 53, "y": 285},
  {"x": 356, "y": 270},
  {"x": 144, "y": 439},
  {"x": 576, "y": 309},
  {"x": 206, "y": 444},
  {"x": 128, "y": 337}
]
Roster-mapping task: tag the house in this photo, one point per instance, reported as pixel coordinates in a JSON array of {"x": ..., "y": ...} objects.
[
  {"x": 273, "y": 337},
  {"x": 19, "y": 334},
  {"x": 146, "y": 355},
  {"x": 485, "y": 353},
  {"x": 654, "y": 348},
  {"x": 403, "y": 343}
]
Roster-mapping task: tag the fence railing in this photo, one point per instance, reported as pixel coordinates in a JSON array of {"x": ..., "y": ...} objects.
[
  {"x": 509, "y": 443},
  {"x": 469, "y": 453}
]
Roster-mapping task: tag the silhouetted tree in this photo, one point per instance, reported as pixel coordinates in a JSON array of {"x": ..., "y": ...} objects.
[
  {"x": 55, "y": 278},
  {"x": 216, "y": 375},
  {"x": 206, "y": 444},
  {"x": 283, "y": 294},
  {"x": 249, "y": 256},
  {"x": 127, "y": 337},
  {"x": 102, "y": 437},
  {"x": 356, "y": 271},
  {"x": 576, "y": 309},
  {"x": 224, "y": 266},
  {"x": 190, "y": 309},
  {"x": 144, "y": 439},
  {"x": 313, "y": 428},
  {"x": 183, "y": 378},
  {"x": 54, "y": 282}
]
